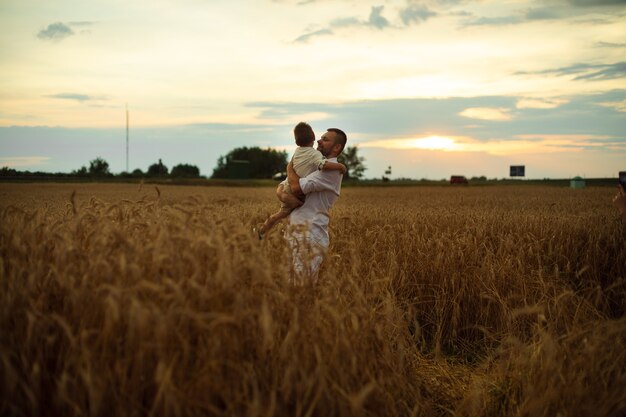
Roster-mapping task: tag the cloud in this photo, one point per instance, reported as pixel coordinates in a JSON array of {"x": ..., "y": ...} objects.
[
  {"x": 452, "y": 2},
  {"x": 345, "y": 22},
  {"x": 415, "y": 14},
  {"x": 74, "y": 96},
  {"x": 607, "y": 72},
  {"x": 55, "y": 31},
  {"x": 461, "y": 13},
  {"x": 588, "y": 3},
  {"x": 557, "y": 10},
  {"x": 610, "y": 45},
  {"x": 541, "y": 14},
  {"x": 591, "y": 72},
  {"x": 307, "y": 36},
  {"x": 289, "y": 112},
  {"x": 372, "y": 119},
  {"x": 494, "y": 21},
  {"x": 487, "y": 113},
  {"x": 619, "y": 106},
  {"x": 59, "y": 30},
  {"x": 431, "y": 142},
  {"x": 557, "y": 143},
  {"x": 23, "y": 161},
  {"x": 376, "y": 18},
  {"x": 539, "y": 103}
]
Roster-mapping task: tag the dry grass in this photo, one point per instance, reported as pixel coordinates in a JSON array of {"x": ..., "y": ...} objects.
[{"x": 125, "y": 301}]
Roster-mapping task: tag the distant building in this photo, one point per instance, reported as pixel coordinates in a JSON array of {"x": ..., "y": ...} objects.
[
  {"x": 518, "y": 171},
  {"x": 577, "y": 182},
  {"x": 238, "y": 169},
  {"x": 458, "y": 179}
]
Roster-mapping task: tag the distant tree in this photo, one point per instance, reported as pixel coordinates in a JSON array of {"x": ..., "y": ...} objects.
[
  {"x": 157, "y": 170},
  {"x": 185, "y": 171},
  {"x": 81, "y": 172},
  {"x": 98, "y": 167},
  {"x": 7, "y": 172},
  {"x": 137, "y": 173},
  {"x": 351, "y": 159},
  {"x": 263, "y": 163}
]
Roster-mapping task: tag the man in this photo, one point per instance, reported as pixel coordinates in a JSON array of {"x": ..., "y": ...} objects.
[{"x": 308, "y": 234}]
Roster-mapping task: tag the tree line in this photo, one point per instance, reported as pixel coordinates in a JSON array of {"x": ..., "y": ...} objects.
[
  {"x": 248, "y": 162},
  {"x": 99, "y": 168}
]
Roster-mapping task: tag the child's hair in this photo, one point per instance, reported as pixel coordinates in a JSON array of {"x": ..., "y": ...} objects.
[{"x": 303, "y": 133}]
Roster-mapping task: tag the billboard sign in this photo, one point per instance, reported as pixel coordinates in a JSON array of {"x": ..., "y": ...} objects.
[{"x": 518, "y": 170}]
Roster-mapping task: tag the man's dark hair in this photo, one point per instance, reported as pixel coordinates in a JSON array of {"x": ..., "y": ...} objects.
[
  {"x": 303, "y": 133},
  {"x": 340, "y": 137}
]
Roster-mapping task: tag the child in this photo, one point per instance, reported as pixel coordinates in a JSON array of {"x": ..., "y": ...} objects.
[{"x": 305, "y": 160}]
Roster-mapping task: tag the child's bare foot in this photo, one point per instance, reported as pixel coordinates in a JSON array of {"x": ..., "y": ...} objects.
[{"x": 258, "y": 231}]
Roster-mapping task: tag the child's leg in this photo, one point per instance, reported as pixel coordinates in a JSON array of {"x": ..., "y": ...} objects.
[
  {"x": 288, "y": 203},
  {"x": 287, "y": 198},
  {"x": 273, "y": 219}
]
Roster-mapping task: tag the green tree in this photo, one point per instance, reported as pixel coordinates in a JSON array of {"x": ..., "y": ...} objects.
[
  {"x": 157, "y": 170},
  {"x": 351, "y": 159},
  {"x": 186, "y": 171},
  {"x": 82, "y": 172},
  {"x": 99, "y": 167},
  {"x": 262, "y": 163},
  {"x": 7, "y": 172}
]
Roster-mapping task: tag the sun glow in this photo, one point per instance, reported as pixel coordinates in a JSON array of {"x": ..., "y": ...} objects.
[
  {"x": 439, "y": 143},
  {"x": 432, "y": 143}
]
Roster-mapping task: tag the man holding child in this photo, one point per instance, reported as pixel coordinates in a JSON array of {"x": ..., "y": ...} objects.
[{"x": 308, "y": 234}]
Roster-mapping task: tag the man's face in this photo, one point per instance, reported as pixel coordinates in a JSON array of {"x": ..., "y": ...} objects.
[{"x": 326, "y": 144}]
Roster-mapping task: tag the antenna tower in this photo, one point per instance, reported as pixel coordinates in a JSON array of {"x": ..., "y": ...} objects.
[{"x": 126, "y": 137}]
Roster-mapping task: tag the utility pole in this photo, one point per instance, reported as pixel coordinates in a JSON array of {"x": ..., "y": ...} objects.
[{"x": 127, "y": 137}]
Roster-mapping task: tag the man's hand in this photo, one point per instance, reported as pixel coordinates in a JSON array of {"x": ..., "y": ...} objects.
[
  {"x": 294, "y": 181},
  {"x": 343, "y": 169}
]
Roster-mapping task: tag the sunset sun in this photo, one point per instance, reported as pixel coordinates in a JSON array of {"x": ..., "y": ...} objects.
[{"x": 439, "y": 143}]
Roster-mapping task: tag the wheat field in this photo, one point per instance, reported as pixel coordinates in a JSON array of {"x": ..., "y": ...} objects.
[{"x": 144, "y": 300}]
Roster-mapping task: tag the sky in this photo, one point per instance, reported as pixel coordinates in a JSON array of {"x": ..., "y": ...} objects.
[{"x": 430, "y": 88}]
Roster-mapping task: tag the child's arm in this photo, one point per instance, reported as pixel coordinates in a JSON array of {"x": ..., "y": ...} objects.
[{"x": 333, "y": 166}]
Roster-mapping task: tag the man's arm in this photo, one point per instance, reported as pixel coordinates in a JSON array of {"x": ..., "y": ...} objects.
[
  {"x": 334, "y": 166},
  {"x": 321, "y": 181},
  {"x": 294, "y": 181}
]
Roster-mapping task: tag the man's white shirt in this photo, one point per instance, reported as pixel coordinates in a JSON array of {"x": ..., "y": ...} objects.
[{"x": 322, "y": 189}]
